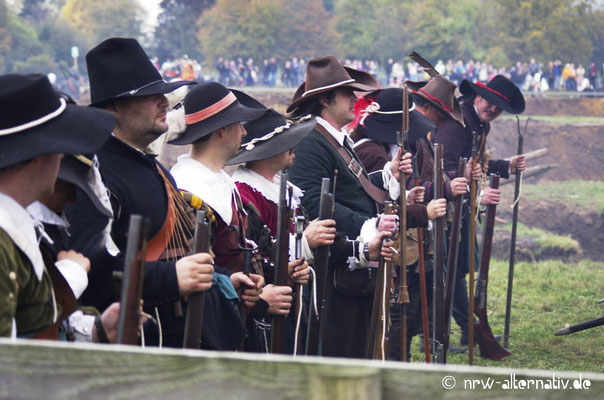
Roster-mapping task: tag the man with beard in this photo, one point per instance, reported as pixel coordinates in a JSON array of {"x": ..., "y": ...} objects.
[{"x": 124, "y": 82}]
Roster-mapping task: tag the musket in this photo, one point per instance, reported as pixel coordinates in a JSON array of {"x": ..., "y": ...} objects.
[
  {"x": 508, "y": 302},
  {"x": 195, "y": 303},
  {"x": 378, "y": 330},
  {"x": 489, "y": 347},
  {"x": 422, "y": 275},
  {"x": 454, "y": 237},
  {"x": 299, "y": 230},
  {"x": 281, "y": 262},
  {"x": 581, "y": 327},
  {"x": 473, "y": 194},
  {"x": 438, "y": 315},
  {"x": 132, "y": 281},
  {"x": 403, "y": 293},
  {"x": 315, "y": 322}
]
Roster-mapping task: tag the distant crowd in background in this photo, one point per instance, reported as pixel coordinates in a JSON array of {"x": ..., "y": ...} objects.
[{"x": 528, "y": 76}]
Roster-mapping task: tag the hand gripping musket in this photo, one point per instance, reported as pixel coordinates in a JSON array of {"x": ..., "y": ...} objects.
[
  {"x": 299, "y": 230},
  {"x": 403, "y": 293},
  {"x": 380, "y": 311},
  {"x": 454, "y": 236},
  {"x": 508, "y": 302},
  {"x": 195, "y": 303},
  {"x": 132, "y": 281},
  {"x": 422, "y": 275},
  {"x": 489, "y": 348},
  {"x": 281, "y": 262},
  {"x": 438, "y": 316},
  {"x": 315, "y": 322}
]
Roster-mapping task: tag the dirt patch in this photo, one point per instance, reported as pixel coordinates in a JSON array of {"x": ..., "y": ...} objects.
[{"x": 585, "y": 107}]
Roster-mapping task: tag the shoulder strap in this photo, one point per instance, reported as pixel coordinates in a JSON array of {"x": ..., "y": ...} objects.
[{"x": 355, "y": 167}]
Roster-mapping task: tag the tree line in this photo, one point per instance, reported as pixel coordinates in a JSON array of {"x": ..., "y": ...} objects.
[{"x": 37, "y": 35}]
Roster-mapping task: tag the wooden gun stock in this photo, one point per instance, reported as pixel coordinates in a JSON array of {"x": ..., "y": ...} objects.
[
  {"x": 132, "y": 282},
  {"x": 195, "y": 304},
  {"x": 489, "y": 348},
  {"x": 315, "y": 322},
  {"x": 281, "y": 264}
]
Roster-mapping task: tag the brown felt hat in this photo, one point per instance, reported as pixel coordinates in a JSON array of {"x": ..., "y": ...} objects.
[
  {"x": 326, "y": 73},
  {"x": 439, "y": 92}
]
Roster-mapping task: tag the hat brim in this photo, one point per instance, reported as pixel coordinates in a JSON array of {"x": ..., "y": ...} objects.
[
  {"x": 159, "y": 87},
  {"x": 363, "y": 82},
  {"x": 456, "y": 114},
  {"x": 516, "y": 106},
  {"x": 246, "y": 108},
  {"x": 78, "y": 130},
  {"x": 384, "y": 128},
  {"x": 284, "y": 141},
  {"x": 76, "y": 173}
]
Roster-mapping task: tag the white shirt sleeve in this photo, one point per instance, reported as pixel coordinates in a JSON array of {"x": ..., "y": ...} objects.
[{"x": 74, "y": 274}]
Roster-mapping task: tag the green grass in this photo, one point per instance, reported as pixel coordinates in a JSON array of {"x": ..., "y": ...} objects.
[
  {"x": 560, "y": 119},
  {"x": 585, "y": 194},
  {"x": 547, "y": 295},
  {"x": 545, "y": 239}
]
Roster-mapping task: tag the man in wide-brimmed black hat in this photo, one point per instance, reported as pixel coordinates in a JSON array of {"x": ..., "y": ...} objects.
[
  {"x": 329, "y": 95},
  {"x": 37, "y": 128},
  {"x": 124, "y": 81},
  {"x": 214, "y": 116},
  {"x": 480, "y": 105}
]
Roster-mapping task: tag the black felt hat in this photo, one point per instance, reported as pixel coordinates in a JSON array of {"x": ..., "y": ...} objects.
[
  {"x": 382, "y": 120},
  {"x": 79, "y": 170},
  {"x": 500, "y": 91},
  {"x": 271, "y": 134},
  {"x": 119, "y": 67},
  {"x": 327, "y": 73},
  {"x": 210, "y": 106},
  {"x": 36, "y": 121}
]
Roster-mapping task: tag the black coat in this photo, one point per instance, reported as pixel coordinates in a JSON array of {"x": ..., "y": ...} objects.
[
  {"x": 349, "y": 293},
  {"x": 457, "y": 141},
  {"x": 137, "y": 187}
]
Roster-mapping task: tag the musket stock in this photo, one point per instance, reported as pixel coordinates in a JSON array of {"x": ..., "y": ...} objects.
[
  {"x": 315, "y": 322},
  {"x": 489, "y": 348},
  {"x": 281, "y": 263},
  {"x": 132, "y": 281},
  {"x": 195, "y": 303}
]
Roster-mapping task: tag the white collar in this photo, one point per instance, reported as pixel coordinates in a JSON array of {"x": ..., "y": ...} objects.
[
  {"x": 19, "y": 225},
  {"x": 268, "y": 189},
  {"x": 339, "y": 135},
  {"x": 214, "y": 188},
  {"x": 45, "y": 215}
]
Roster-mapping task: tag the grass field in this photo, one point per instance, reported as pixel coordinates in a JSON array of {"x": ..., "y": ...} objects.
[
  {"x": 586, "y": 194},
  {"x": 547, "y": 295}
]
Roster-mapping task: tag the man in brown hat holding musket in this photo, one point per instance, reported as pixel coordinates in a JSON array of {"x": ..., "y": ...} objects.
[{"x": 328, "y": 95}]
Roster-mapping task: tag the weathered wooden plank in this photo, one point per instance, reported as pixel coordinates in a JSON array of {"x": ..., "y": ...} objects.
[{"x": 50, "y": 370}]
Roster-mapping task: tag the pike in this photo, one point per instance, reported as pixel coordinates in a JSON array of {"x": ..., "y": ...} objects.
[
  {"x": 403, "y": 293},
  {"x": 438, "y": 315},
  {"x": 380, "y": 311},
  {"x": 315, "y": 322},
  {"x": 454, "y": 237},
  {"x": 473, "y": 189},
  {"x": 196, "y": 301},
  {"x": 489, "y": 348},
  {"x": 132, "y": 282},
  {"x": 422, "y": 275},
  {"x": 508, "y": 302},
  {"x": 281, "y": 262}
]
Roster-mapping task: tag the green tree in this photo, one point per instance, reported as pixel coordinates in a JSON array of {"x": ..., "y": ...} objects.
[
  {"x": 176, "y": 31},
  {"x": 99, "y": 20}
]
